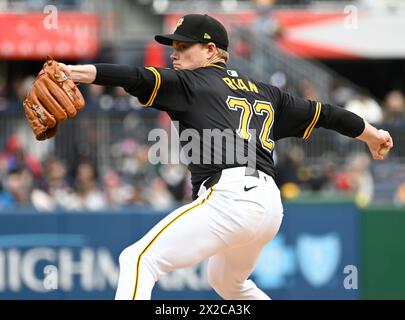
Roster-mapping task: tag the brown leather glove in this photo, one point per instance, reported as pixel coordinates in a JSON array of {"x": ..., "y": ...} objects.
[{"x": 52, "y": 99}]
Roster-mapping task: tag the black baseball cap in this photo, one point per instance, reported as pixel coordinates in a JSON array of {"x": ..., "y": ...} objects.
[{"x": 197, "y": 28}]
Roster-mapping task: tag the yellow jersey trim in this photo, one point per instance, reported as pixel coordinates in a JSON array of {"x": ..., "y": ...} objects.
[
  {"x": 158, "y": 81},
  {"x": 311, "y": 126},
  {"x": 157, "y": 236},
  {"x": 214, "y": 65}
]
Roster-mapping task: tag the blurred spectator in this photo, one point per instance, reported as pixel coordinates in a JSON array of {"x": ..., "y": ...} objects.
[
  {"x": 121, "y": 99},
  {"x": 357, "y": 180},
  {"x": 306, "y": 90},
  {"x": 342, "y": 94},
  {"x": 138, "y": 195},
  {"x": 399, "y": 196},
  {"x": 137, "y": 168},
  {"x": 242, "y": 47},
  {"x": 320, "y": 177},
  {"x": 158, "y": 196},
  {"x": 17, "y": 189},
  {"x": 279, "y": 80},
  {"x": 56, "y": 193},
  {"x": 394, "y": 104},
  {"x": 121, "y": 152},
  {"x": 287, "y": 178},
  {"x": 366, "y": 107},
  {"x": 117, "y": 194},
  {"x": 266, "y": 24},
  {"x": 14, "y": 157},
  {"x": 21, "y": 86},
  {"x": 93, "y": 96},
  {"x": 87, "y": 196},
  {"x": 106, "y": 102},
  {"x": 174, "y": 175}
]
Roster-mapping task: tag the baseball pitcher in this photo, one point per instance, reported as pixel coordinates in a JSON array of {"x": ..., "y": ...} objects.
[{"x": 237, "y": 207}]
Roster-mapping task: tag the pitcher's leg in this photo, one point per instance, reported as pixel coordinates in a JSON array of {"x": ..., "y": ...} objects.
[
  {"x": 228, "y": 273},
  {"x": 229, "y": 270},
  {"x": 184, "y": 238},
  {"x": 129, "y": 271}
]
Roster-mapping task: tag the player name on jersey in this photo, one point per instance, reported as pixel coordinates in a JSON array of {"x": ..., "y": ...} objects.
[{"x": 239, "y": 84}]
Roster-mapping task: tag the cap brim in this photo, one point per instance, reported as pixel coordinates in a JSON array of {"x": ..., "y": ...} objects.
[{"x": 167, "y": 39}]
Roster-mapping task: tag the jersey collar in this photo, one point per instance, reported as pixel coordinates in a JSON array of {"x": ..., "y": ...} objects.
[{"x": 219, "y": 65}]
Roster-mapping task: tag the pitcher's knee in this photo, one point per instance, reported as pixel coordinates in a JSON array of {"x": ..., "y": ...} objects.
[
  {"x": 217, "y": 282},
  {"x": 228, "y": 291},
  {"x": 214, "y": 278},
  {"x": 135, "y": 256},
  {"x": 130, "y": 255}
]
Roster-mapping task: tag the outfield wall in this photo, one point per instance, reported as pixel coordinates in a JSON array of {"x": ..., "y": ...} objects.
[
  {"x": 322, "y": 251},
  {"x": 383, "y": 253}
]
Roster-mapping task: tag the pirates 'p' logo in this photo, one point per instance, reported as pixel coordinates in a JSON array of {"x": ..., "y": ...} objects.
[{"x": 178, "y": 24}]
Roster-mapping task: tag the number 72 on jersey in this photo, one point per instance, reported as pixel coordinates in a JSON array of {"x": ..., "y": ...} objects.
[{"x": 263, "y": 108}]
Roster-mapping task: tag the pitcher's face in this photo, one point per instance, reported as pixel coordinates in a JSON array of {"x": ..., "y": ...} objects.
[{"x": 189, "y": 55}]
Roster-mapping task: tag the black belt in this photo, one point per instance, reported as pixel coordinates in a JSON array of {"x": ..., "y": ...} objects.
[{"x": 213, "y": 180}]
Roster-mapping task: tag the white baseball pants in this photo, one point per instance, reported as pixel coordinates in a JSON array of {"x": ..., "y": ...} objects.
[{"x": 229, "y": 223}]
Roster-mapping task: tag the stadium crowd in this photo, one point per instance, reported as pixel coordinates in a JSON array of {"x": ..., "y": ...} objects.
[{"x": 49, "y": 182}]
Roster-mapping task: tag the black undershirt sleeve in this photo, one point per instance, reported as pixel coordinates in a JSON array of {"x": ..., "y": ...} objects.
[
  {"x": 340, "y": 120},
  {"x": 297, "y": 117},
  {"x": 116, "y": 75},
  {"x": 136, "y": 81},
  {"x": 154, "y": 87}
]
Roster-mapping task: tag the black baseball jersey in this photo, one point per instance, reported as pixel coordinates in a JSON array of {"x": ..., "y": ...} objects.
[{"x": 248, "y": 116}]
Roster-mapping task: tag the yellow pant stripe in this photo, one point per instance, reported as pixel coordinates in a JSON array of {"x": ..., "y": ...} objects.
[
  {"x": 311, "y": 126},
  {"x": 157, "y": 86},
  {"x": 157, "y": 236}
]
